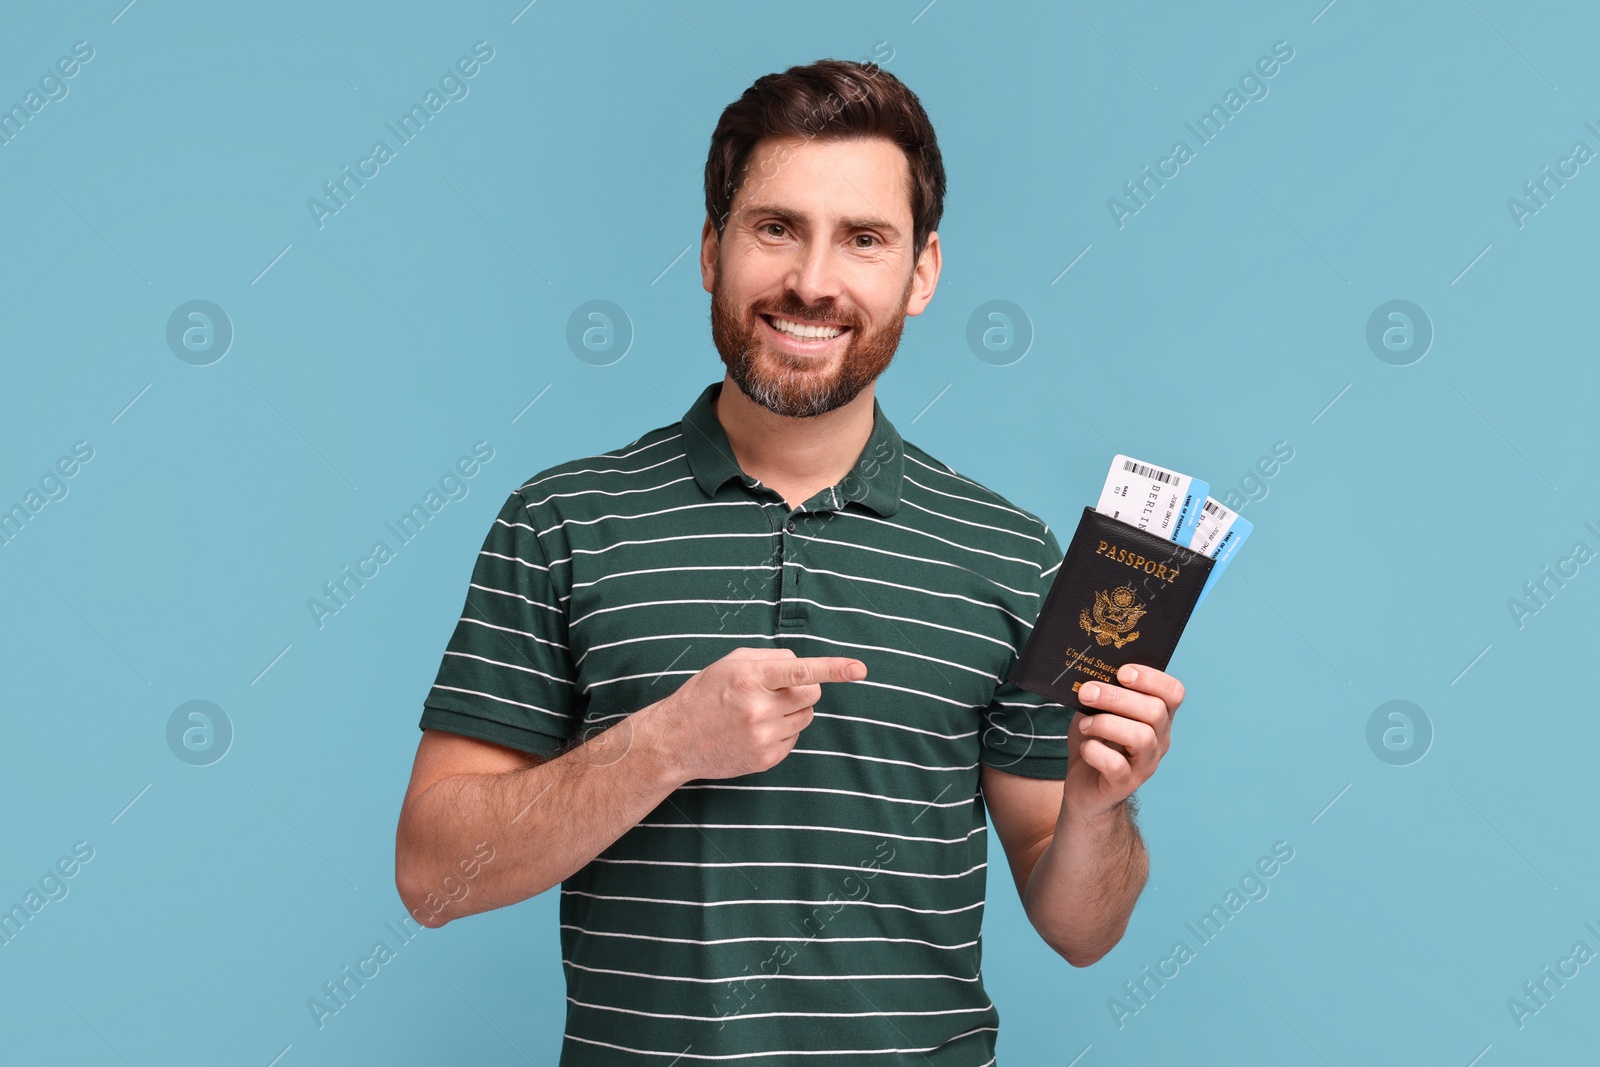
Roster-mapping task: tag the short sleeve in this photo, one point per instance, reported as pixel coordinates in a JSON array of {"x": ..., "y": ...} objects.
[
  {"x": 507, "y": 674},
  {"x": 1023, "y": 732}
]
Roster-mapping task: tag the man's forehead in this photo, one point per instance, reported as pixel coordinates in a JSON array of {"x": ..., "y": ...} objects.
[{"x": 843, "y": 177}]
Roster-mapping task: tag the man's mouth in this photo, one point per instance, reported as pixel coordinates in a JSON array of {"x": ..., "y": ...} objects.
[{"x": 804, "y": 334}]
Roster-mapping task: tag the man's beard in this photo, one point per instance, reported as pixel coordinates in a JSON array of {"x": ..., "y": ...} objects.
[{"x": 792, "y": 386}]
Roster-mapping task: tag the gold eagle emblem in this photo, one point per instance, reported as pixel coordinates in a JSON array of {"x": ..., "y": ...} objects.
[{"x": 1114, "y": 614}]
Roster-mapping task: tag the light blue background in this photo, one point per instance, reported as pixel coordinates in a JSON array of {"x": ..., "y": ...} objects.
[{"x": 1224, "y": 317}]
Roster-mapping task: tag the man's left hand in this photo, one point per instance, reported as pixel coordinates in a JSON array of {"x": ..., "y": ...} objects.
[{"x": 1115, "y": 747}]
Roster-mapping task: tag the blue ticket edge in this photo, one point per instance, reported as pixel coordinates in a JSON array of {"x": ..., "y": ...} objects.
[{"x": 1189, "y": 517}]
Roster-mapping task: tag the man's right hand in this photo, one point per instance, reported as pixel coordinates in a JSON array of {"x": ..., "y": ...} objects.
[{"x": 744, "y": 712}]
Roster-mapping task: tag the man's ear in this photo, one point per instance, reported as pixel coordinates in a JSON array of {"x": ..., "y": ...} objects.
[
  {"x": 925, "y": 277},
  {"x": 709, "y": 244}
]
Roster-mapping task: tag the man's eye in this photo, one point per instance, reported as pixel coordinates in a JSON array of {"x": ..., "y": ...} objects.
[
  {"x": 770, "y": 226},
  {"x": 869, "y": 237}
]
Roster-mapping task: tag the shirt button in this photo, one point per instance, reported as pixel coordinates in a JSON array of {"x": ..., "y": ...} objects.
[{"x": 791, "y": 526}]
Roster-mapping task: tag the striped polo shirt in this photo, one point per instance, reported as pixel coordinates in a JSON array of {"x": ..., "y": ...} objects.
[{"x": 827, "y": 909}]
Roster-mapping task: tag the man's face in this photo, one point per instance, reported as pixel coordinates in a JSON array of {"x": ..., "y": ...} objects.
[{"x": 818, "y": 239}]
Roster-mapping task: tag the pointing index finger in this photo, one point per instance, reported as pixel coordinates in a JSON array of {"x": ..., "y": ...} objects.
[{"x": 810, "y": 670}]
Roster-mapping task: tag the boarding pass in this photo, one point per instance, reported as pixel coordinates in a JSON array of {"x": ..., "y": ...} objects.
[
  {"x": 1218, "y": 535},
  {"x": 1151, "y": 498}
]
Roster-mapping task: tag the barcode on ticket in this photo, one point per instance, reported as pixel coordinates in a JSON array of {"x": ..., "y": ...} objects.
[{"x": 1144, "y": 471}]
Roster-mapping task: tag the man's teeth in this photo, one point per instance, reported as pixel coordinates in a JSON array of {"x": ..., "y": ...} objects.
[{"x": 795, "y": 329}]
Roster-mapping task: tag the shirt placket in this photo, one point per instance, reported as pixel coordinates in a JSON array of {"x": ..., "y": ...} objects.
[{"x": 788, "y": 529}]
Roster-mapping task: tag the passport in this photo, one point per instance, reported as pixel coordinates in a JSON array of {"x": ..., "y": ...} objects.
[{"x": 1122, "y": 595}]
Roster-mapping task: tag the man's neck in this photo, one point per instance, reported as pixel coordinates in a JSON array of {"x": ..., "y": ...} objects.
[{"x": 792, "y": 454}]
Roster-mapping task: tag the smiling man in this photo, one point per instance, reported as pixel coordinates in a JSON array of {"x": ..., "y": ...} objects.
[{"x": 738, "y": 685}]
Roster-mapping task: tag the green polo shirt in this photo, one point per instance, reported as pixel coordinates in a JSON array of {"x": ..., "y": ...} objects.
[{"x": 827, "y": 909}]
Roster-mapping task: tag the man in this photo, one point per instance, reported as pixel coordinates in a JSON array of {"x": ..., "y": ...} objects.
[{"x": 737, "y": 686}]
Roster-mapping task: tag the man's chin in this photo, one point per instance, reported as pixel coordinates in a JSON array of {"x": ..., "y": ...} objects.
[
  {"x": 796, "y": 385},
  {"x": 777, "y": 392}
]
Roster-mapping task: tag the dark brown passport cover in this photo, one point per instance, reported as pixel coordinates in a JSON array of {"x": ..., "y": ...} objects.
[{"x": 1122, "y": 595}]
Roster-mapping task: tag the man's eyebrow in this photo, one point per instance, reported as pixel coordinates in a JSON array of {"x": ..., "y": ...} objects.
[{"x": 857, "y": 222}]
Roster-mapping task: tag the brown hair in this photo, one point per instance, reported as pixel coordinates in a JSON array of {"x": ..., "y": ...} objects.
[{"x": 834, "y": 100}]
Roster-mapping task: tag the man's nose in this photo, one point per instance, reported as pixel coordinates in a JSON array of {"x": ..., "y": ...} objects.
[{"x": 814, "y": 275}]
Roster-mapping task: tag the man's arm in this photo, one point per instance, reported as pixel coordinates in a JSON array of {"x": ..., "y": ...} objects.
[
  {"x": 483, "y": 826},
  {"x": 1073, "y": 846},
  {"x": 539, "y": 820}
]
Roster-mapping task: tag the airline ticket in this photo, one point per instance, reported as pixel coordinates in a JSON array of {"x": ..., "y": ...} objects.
[{"x": 1151, "y": 498}]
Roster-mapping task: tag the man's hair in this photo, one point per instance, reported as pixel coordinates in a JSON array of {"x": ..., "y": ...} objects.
[{"x": 829, "y": 100}]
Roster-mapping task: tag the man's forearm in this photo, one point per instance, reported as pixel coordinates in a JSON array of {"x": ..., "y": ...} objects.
[
  {"x": 542, "y": 823},
  {"x": 1086, "y": 881}
]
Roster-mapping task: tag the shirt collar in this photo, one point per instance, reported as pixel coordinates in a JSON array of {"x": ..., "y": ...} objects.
[{"x": 875, "y": 480}]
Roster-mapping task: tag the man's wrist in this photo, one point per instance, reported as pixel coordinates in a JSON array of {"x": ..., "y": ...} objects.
[
  {"x": 650, "y": 744},
  {"x": 1104, "y": 821}
]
